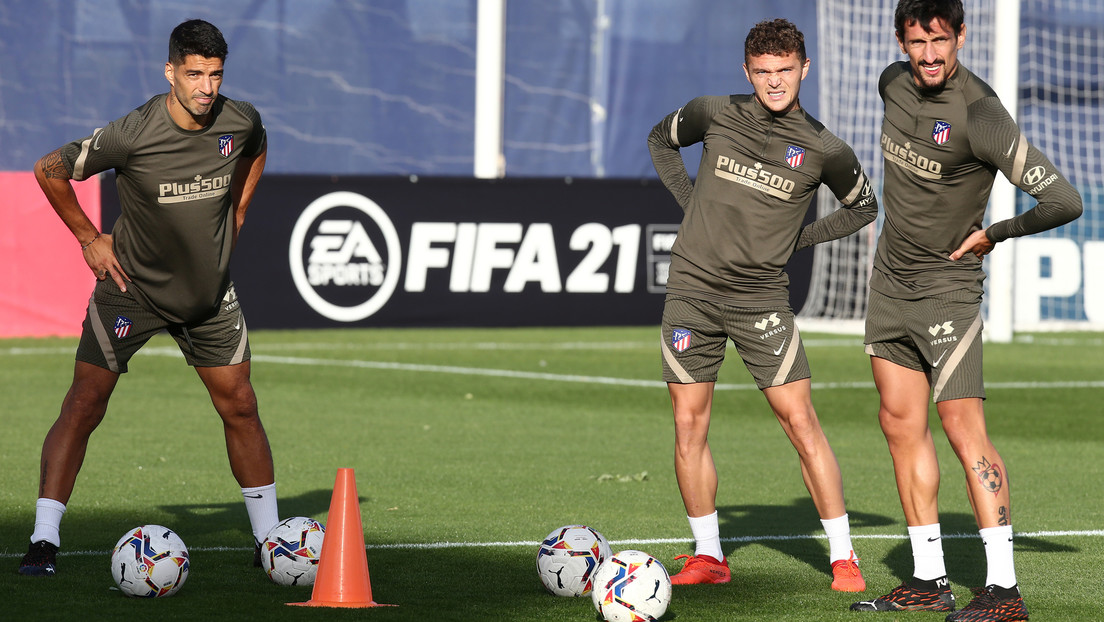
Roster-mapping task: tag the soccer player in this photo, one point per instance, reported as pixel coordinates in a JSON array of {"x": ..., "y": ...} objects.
[
  {"x": 944, "y": 136},
  {"x": 763, "y": 159},
  {"x": 187, "y": 164}
]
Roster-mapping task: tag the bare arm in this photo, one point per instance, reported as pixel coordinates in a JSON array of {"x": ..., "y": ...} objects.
[
  {"x": 99, "y": 254},
  {"x": 246, "y": 177}
]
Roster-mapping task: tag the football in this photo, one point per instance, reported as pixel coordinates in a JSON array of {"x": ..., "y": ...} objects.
[
  {"x": 632, "y": 586},
  {"x": 568, "y": 559},
  {"x": 290, "y": 552},
  {"x": 149, "y": 562}
]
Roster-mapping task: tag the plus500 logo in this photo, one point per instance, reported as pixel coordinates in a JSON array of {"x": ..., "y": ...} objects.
[{"x": 346, "y": 257}]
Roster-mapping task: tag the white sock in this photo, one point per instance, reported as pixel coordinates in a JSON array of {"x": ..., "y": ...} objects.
[
  {"x": 927, "y": 552},
  {"x": 707, "y": 535},
  {"x": 48, "y": 514},
  {"x": 260, "y": 504},
  {"x": 838, "y": 531},
  {"x": 998, "y": 556}
]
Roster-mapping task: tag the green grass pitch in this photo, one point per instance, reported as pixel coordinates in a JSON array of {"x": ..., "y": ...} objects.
[{"x": 469, "y": 446}]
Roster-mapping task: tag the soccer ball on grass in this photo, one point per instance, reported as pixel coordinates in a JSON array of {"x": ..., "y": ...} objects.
[
  {"x": 632, "y": 586},
  {"x": 568, "y": 559},
  {"x": 290, "y": 552},
  {"x": 149, "y": 561}
]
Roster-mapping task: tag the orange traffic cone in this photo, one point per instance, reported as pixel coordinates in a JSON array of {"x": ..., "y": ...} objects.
[{"x": 342, "y": 579}]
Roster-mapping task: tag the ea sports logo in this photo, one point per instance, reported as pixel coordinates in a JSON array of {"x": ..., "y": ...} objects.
[{"x": 345, "y": 257}]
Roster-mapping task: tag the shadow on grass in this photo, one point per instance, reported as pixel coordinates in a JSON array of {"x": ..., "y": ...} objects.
[
  {"x": 204, "y": 525},
  {"x": 788, "y": 529},
  {"x": 964, "y": 554},
  {"x": 468, "y": 583},
  {"x": 463, "y": 584},
  {"x": 215, "y": 518}
]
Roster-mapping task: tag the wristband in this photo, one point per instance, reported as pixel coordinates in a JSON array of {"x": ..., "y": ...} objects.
[{"x": 89, "y": 243}]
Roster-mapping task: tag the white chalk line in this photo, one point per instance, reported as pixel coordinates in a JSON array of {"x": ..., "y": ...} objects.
[
  {"x": 606, "y": 380},
  {"x": 573, "y": 378},
  {"x": 388, "y": 345},
  {"x": 424, "y": 546}
]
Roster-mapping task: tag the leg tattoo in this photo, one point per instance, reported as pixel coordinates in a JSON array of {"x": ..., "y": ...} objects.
[{"x": 988, "y": 475}]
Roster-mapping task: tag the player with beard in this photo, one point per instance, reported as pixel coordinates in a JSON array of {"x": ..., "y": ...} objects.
[
  {"x": 187, "y": 164},
  {"x": 944, "y": 136}
]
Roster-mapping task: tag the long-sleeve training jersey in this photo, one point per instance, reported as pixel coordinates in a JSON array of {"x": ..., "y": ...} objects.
[
  {"x": 942, "y": 151},
  {"x": 742, "y": 216}
]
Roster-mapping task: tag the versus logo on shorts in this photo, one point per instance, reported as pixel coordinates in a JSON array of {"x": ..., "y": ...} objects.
[
  {"x": 947, "y": 328},
  {"x": 768, "y": 322},
  {"x": 680, "y": 339},
  {"x": 122, "y": 326}
]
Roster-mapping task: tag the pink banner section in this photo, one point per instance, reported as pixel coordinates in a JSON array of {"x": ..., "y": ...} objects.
[{"x": 44, "y": 282}]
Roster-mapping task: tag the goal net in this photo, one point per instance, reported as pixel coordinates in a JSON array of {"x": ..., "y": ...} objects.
[{"x": 1059, "y": 110}]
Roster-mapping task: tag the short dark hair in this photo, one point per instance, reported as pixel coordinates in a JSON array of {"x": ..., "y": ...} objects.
[
  {"x": 922, "y": 12},
  {"x": 196, "y": 36},
  {"x": 777, "y": 37}
]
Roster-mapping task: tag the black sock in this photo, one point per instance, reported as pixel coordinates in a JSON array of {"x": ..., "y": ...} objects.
[
  {"x": 1004, "y": 593},
  {"x": 929, "y": 585}
]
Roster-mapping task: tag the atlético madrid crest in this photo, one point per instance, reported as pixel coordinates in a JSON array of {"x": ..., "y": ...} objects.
[
  {"x": 794, "y": 156},
  {"x": 680, "y": 339},
  {"x": 941, "y": 133},
  {"x": 226, "y": 144},
  {"x": 122, "y": 326}
]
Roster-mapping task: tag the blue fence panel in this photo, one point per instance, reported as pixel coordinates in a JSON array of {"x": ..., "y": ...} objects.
[{"x": 386, "y": 87}]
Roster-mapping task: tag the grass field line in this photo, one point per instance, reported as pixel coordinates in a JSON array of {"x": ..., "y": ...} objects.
[
  {"x": 607, "y": 380},
  {"x": 422, "y": 546},
  {"x": 386, "y": 345},
  {"x": 815, "y": 342},
  {"x": 523, "y": 346},
  {"x": 527, "y": 375}
]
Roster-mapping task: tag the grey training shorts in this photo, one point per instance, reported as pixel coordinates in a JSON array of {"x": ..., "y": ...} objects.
[
  {"x": 939, "y": 335},
  {"x": 116, "y": 326},
  {"x": 696, "y": 333}
]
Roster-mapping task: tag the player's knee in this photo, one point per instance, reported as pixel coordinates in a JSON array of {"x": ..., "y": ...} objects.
[
  {"x": 902, "y": 421},
  {"x": 239, "y": 409},
  {"x": 691, "y": 429},
  {"x": 690, "y": 444},
  {"x": 84, "y": 409}
]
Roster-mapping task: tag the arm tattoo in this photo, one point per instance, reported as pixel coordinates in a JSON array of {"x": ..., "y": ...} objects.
[
  {"x": 989, "y": 475},
  {"x": 53, "y": 167}
]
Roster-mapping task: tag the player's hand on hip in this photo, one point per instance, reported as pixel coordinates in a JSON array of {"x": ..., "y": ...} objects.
[
  {"x": 100, "y": 256},
  {"x": 977, "y": 243}
]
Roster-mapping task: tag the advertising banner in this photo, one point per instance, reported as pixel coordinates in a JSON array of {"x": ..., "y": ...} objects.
[
  {"x": 46, "y": 283},
  {"x": 323, "y": 252}
]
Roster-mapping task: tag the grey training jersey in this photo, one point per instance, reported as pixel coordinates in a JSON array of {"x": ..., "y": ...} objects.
[
  {"x": 942, "y": 150},
  {"x": 175, "y": 231},
  {"x": 742, "y": 216}
]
